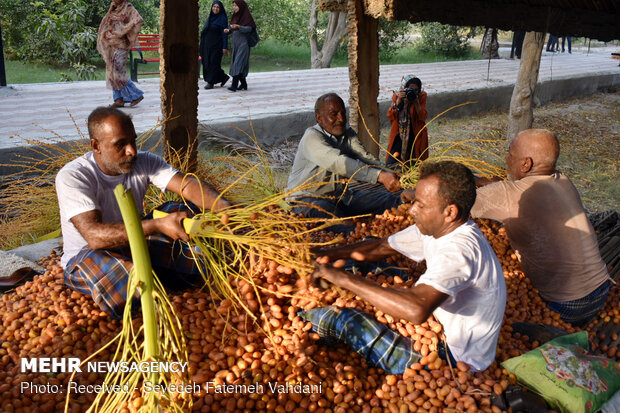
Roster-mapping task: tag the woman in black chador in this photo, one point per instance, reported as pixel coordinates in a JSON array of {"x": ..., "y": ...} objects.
[{"x": 213, "y": 45}]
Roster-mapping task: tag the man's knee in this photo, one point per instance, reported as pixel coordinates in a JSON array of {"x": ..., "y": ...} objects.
[{"x": 316, "y": 208}]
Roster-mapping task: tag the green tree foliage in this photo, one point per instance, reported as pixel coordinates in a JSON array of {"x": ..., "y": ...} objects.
[
  {"x": 445, "y": 39},
  {"x": 62, "y": 32},
  {"x": 392, "y": 36},
  {"x": 284, "y": 20}
]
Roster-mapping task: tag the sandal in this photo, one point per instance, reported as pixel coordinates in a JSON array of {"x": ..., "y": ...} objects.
[
  {"x": 135, "y": 102},
  {"x": 118, "y": 103}
]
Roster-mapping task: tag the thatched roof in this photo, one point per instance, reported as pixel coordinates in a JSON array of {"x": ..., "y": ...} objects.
[
  {"x": 596, "y": 19},
  {"x": 333, "y": 5}
]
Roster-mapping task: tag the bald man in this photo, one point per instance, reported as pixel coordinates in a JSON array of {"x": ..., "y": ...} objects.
[{"x": 546, "y": 223}]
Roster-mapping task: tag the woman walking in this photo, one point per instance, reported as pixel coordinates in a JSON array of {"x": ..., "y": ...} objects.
[
  {"x": 118, "y": 33},
  {"x": 241, "y": 26},
  {"x": 213, "y": 45}
]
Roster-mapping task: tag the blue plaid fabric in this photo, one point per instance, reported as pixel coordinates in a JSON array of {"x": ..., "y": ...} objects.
[
  {"x": 373, "y": 340},
  {"x": 103, "y": 274},
  {"x": 580, "y": 312}
]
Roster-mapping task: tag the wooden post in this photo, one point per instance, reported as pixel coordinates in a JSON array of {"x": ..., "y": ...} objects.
[
  {"x": 363, "y": 74},
  {"x": 2, "y": 71},
  {"x": 521, "y": 104},
  {"x": 178, "y": 66}
]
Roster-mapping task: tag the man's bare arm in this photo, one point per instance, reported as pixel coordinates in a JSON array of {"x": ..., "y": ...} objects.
[
  {"x": 413, "y": 304},
  {"x": 100, "y": 235},
  {"x": 197, "y": 192},
  {"x": 370, "y": 250}
]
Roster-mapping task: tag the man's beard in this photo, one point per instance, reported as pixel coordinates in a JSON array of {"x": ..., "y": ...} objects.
[{"x": 125, "y": 166}]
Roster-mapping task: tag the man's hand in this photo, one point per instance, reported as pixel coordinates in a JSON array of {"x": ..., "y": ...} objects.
[
  {"x": 326, "y": 272},
  {"x": 408, "y": 196},
  {"x": 197, "y": 192},
  {"x": 389, "y": 180},
  {"x": 172, "y": 225}
]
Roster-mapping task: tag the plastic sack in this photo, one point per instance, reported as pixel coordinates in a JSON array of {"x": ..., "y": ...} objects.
[{"x": 566, "y": 375}]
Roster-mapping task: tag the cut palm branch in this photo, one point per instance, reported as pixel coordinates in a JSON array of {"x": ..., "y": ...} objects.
[
  {"x": 241, "y": 241},
  {"x": 261, "y": 178}
]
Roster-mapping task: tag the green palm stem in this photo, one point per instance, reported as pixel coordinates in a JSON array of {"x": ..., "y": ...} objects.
[{"x": 143, "y": 269}]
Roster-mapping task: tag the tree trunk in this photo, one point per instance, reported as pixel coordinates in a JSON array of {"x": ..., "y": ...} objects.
[
  {"x": 490, "y": 46},
  {"x": 521, "y": 104},
  {"x": 178, "y": 49},
  {"x": 336, "y": 29},
  {"x": 364, "y": 75}
]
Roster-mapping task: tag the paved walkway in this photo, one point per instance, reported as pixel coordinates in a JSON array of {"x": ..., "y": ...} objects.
[{"x": 32, "y": 111}]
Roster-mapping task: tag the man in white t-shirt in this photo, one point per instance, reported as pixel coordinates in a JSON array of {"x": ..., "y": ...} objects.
[
  {"x": 463, "y": 286},
  {"x": 96, "y": 256}
]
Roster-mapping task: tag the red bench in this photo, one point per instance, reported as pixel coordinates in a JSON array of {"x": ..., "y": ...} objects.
[{"x": 146, "y": 43}]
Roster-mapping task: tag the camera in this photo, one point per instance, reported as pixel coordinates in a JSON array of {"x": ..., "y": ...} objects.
[{"x": 412, "y": 94}]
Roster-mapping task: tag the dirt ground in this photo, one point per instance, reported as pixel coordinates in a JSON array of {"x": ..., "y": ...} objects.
[{"x": 589, "y": 132}]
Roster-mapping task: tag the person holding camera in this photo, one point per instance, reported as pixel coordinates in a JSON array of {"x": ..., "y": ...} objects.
[{"x": 408, "y": 136}]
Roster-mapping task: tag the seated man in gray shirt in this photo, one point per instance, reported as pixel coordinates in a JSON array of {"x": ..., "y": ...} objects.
[{"x": 328, "y": 153}]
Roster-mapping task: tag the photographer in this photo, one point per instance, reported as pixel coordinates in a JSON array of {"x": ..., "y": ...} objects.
[{"x": 408, "y": 135}]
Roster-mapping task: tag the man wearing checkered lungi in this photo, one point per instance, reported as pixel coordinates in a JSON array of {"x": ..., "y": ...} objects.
[
  {"x": 463, "y": 286},
  {"x": 96, "y": 256}
]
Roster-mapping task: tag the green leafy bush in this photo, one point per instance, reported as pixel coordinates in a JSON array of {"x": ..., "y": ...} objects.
[
  {"x": 445, "y": 39},
  {"x": 61, "y": 32},
  {"x": 392, "y": 37}
]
